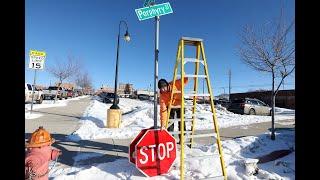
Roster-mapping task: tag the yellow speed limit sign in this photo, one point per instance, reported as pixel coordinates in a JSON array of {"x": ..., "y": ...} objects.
[{"x": 36, "y": 59}]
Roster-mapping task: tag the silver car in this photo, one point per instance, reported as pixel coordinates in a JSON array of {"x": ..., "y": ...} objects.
[{"x": 249, "y": 106}]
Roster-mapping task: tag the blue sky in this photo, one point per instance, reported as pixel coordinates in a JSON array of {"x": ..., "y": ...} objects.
[{"x": 88, "y": 30}]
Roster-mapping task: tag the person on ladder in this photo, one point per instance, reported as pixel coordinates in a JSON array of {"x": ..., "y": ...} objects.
[{"x": 165, "y": 97}]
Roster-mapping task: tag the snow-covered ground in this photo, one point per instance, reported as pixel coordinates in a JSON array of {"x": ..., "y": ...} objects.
[
  {"x": 34, "y": 115},
  {"x": 138, "y": 115},
  {"x": 235, "y": 153},
  {"x": 47, "y": 104}
]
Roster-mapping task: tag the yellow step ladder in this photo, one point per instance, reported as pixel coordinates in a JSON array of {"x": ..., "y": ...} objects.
[{"x": 190, "y": 135}]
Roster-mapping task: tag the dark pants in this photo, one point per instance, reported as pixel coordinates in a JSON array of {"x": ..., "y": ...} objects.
[{"x": 175, "y": 112}]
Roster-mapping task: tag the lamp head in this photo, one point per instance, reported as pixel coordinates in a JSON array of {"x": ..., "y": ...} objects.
[{"x": 127, "y": 36}]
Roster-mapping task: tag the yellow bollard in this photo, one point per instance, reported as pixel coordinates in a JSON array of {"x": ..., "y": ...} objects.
[{"x": 113, "y": 118}]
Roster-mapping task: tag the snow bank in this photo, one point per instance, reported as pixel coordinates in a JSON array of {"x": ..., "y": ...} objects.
[
  {"x": 28, "y": 115},
  {"x": 78, "y": 98},
  {"x": 50, "y": 103},
  {"x": 137, "y": 115},
  {"x": 235, "y": 153},
  {"x": 47, "y": 104}
]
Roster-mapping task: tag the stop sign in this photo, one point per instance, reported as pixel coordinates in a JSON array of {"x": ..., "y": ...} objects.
[
  {"x": 132, "y": 154},
  {"x": 155, "y": 152}
]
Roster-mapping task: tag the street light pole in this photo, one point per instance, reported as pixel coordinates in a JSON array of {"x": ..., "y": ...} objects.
[{"x": 127, "y": 38}]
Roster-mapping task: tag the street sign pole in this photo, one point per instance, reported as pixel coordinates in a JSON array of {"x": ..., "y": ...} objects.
[
  {"x": 156, "y": 57},
  {"x": 151, "y": 10},
  {"x": 34, "y": 86}
]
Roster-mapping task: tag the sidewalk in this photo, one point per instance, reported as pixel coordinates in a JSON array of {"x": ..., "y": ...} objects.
[{"x": 62, "y": 121}]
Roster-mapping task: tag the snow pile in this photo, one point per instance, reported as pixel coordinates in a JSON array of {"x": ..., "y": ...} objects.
[
  {"x": 228, "y": 119},
  {"x": 78, "y": 98},
  {"x": 47, "y": 104},
  {"x": 236, "y": 152},
  {"x": 137, "y": 115},
  {"x": 28, "y": 115}
]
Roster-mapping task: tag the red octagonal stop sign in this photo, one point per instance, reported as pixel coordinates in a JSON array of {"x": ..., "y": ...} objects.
[{"x": 155, "y": 152}]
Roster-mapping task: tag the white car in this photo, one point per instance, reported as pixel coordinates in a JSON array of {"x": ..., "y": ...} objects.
[{"x": 38, "y": 95}]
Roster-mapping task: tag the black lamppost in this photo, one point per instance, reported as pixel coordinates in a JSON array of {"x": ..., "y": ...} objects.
[{"x": 126, "y": 38}]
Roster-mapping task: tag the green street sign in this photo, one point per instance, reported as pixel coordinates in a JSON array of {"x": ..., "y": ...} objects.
[{"x": 153, "y": 11}]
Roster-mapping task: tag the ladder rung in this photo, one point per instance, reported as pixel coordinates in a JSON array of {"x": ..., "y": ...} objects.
[
  {"x": 213, "y": 178},
  {"x": 179, "y": 106},
  {"x": 186, "y": 60},
  {"x": 201, "y": 135},
  {"x": 204, "y": 156},
  {"x": 179, "y": 92},
  {"x": 178, "y": 132},
  {"x": 194, "y": 75},
  {"x": 189, "y": 116},
  {"x": 191, "y": 95},
  {"x": 178, "y": 120}
]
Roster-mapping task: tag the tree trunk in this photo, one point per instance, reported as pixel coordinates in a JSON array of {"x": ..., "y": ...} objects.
[
  {"x": 273, "y": 102},
  {"x": 55, "y": 98}
]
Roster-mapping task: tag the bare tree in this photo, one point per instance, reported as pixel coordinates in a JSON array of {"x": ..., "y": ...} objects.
[
  {"x": 84, "y": 81},
  {"x": 270, "y": 49},
  {"x": 64, "y": 70},
  {"x": 127, "y": 89}
]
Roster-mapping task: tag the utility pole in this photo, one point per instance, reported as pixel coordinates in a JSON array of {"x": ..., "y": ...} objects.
[{"x": 229, "y": 83}]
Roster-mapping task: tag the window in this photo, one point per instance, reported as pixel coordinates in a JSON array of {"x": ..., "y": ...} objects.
[
  {"x": 238, "y": 101},
  {"x": 29, "y": 87},
  {"x": 262, "y": 103},
  {"x": 254, "y": 102},
  {"x": 53, "y": 88}
]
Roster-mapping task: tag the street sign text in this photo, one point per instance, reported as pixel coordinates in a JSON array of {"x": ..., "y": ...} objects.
[{"x": 152, "y": 11}]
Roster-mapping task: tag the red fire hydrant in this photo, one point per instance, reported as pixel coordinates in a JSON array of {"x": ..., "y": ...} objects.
[{"x": 39, "y": 154}]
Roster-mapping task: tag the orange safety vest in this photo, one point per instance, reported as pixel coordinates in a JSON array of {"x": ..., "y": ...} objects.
[{"x": 165, "y": 99}]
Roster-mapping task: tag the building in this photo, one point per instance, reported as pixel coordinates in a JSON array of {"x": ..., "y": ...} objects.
[
  {"x": 145, "y": 92},
  {"x": 125, "y": 88},
  {"x": 69, "y": 86},
  {"x": 284, "y": 98},
  {"x": 105, "y": 89}
]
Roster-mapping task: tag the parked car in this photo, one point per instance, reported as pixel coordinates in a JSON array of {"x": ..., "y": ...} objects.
[
  {"x": 108, "y": 97},
  {"x": 75, "y": 93},
  {"x": 70, "y": 93},
  {"x": 144, "y": 97},
  {"x": 50, "y": 93},
  {"x": 223, "y": 102},
  {"x": 79, "y": 92},
  {"x": 38, "y": 94},
  {"x": 249, "y": 106}
]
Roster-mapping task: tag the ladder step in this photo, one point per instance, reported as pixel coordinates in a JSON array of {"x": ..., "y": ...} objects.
[
  {"x": 186, "y": 60},
  {"x": 193, "y": 75},
  {"x": 197, "y": 115},
  {"x": 213, "y": 178},
  {"x": 191, "y": 95},
  {"x": 178, "y": 120},
  {"x": 201, "y": 135},
  {"x": 203, "y": 156},
  {"x": 179, "y": 92},
  {"x": 178, "y": 132}
]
